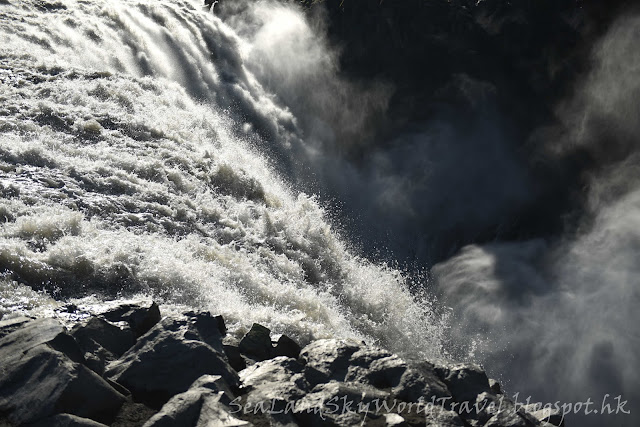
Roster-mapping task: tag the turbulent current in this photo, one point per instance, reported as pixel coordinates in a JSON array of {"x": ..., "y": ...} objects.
[{"x": 139, "y": 156}]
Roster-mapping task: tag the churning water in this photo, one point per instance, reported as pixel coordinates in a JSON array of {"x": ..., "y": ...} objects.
[{"x": 139, "y": 156}]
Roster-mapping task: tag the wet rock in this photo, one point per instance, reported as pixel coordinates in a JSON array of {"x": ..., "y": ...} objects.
[
  {"x": 495, "y": 411},
  {"x": 257, "y": 343},
  {"x": 102, "y": 341},
  {"x": 328, "y": 359},
  {"x": 116, "y": 339},
  {"x": 350, "y": 361},
  {"x": 206, "y": 328},
  {"x": 9, "y": 325},
  {"x": 273, "y": 387},
  {"x": 41, "y": 331},
  {"x": 41, "y": 377},
  {"x": 139, "y": 317},
  {"x": 167, "y": 360},
  {"x": 204, "y": 404},
  {"x": 340, "y": 403},
  {"x": 466, "y": 381},
  {"x": 377, "y": 367},
  {"x": 286, "y": 347},
  {"x": 495, "y": 386},
  {"x": 234, "y": 357}
]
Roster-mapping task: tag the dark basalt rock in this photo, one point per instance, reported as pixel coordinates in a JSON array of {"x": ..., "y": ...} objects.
[
  {"x": 139, "y": 318},
  {"x": 168, "y": 359},
  {"x": 273, "y": 384},
  {"x": 204, "y": 404},
  {"x": 466, "y": 382},
  {"x": 181, "y": 373},
  {"x": 285, "y": 346},
  {"x": 257, "y": 343},
  {"x": 9, "y": 325},
  {"x": 234, "y": 357},
  {"x": 102, "y": 341},
  {"x": 42, "y": 376}
]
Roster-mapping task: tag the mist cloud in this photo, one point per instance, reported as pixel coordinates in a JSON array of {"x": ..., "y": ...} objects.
[{"x": 560, "y": 317}]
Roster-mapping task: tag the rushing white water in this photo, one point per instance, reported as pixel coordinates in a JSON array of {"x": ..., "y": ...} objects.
[{"x": 129, "y": 165}]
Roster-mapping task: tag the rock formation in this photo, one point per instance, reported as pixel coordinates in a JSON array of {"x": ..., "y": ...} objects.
[{"x": 129, "y": 366}]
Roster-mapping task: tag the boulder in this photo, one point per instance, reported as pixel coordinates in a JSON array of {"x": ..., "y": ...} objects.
[
  {"x": 465, "y": 381},
  {"x": 328, "y": 359},
  {"x": 42, "y": 376},
  {"x": 257, "y": 343},
  {"x": 204, "y": 327},
  {"x": 204, "y": 404},
  {"x": 495, "y": 386},
  {"x": 9, "y": 325},
  {"x": 274, "y": 386},
  {"x": 197, "y": 407},
  {"x": 350, "y": 361},
  {"x": 139, "y": 317},
  {"x": 102, "y": 341},
  {"x": 340, "y": 403},
  {"x": 114, "y": 338},
  {"x": 285, "y": 346},
  {"x": 496, "y": 411},
  {"x": 168, "y": 359},
  {"x": 234, "y": 357}
]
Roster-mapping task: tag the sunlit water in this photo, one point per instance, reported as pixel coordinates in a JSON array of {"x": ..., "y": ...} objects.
[{"x": 129, "y": 166}]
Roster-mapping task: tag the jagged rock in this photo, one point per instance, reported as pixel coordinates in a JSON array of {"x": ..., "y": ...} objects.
[
  {"x": 116, "y": 339},
  {"x": 328, "y": 359},
  {"x": 206, "y": 328},
  {"x": 257, "y": 343},
  {"x": 495, "y": 411},
  {"x": 349, "y": 361},
  {"x": 547, "y": 414},
  {"x": 274, "y": 385},
  {"x": 140, "y": 318},
  {"x": 9, "y": 325},
  {"x": 41, "y": 376},
  {"x": 203, "y": 405},
  {"x": 286, "y": 347},
  {"x": 466, "y": 381},
  {"x": 67, "y": 420},
  {"x": 102, "y": 341},
  {"x": 234, "y": 357},
  {"x": 495, "y": 386},
  {"x": 377, "y": 366},
  {"x": 169, "y": 358},
  {"x": 340, "y": 403}
]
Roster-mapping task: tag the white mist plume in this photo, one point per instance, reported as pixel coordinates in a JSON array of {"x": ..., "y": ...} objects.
[{"x": 562, "y": 320}]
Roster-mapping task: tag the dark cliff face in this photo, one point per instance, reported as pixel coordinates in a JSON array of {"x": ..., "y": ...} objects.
[{"x": 489, "y": 70}]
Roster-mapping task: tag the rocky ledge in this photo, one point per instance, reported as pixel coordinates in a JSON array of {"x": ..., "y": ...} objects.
[{"x": 129, "y": 366}]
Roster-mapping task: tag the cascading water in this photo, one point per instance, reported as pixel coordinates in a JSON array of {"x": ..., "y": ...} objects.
[{"x": 131, "y": 165}]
